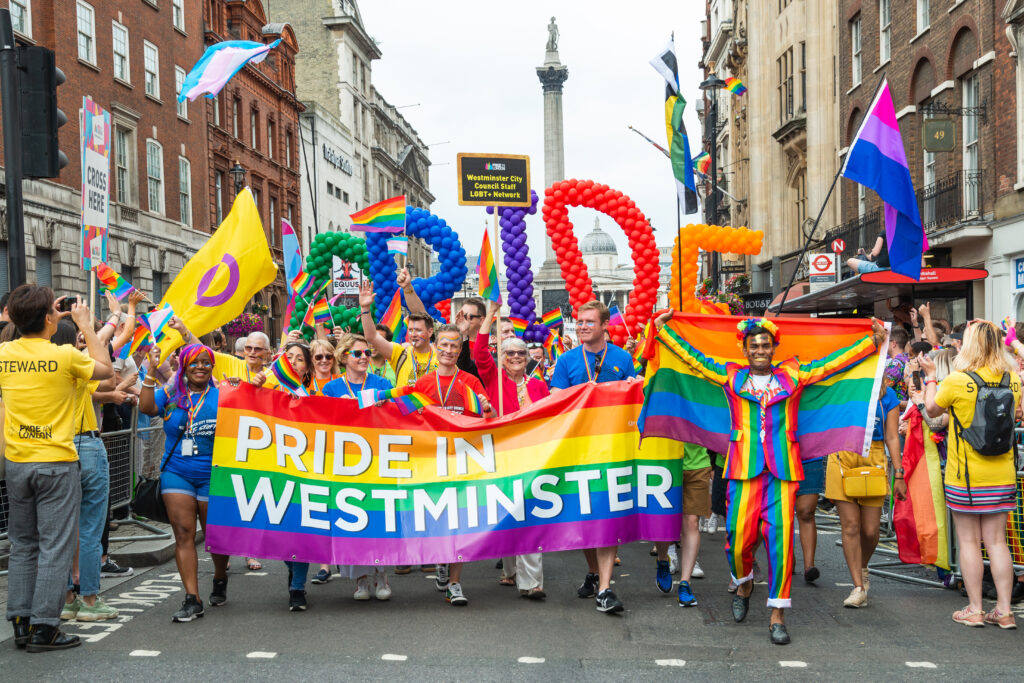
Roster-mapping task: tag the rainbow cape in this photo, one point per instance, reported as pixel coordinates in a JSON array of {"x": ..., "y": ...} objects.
[
  {"x": 920, "y": 521},
  {"x": 833, "y": 413},
  {"x": 735, "y": 86},
  {"x": 385, "y": 216},
  {"x": 286, "y": 375},
  {"x": 552, "y": 318},
  {"x": 488, "y": 271},
  {"x": 111, "y": 282},
  {"x": 392, "y": 318},
  {"x": 518, "y": 325},
  {"x": 614, "y": 316}
]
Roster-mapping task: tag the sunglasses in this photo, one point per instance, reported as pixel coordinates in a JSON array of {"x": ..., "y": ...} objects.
[
  {"x": 516, "y": 354},
  {"x": 252, "y": 349},
  {"x": 358, "y": 354},
  {"x": 470, "y": 316},
  {"x": 323, "y": 356}
]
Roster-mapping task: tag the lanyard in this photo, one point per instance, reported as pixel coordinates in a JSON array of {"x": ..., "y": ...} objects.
[
  {"x": 349, "y": 386},
  {"x": 598, "y": 364},
  {"x": 416, "y": 365},
  {"x": 317, "y": 388},
  {"x": 444, "y": 398},
  {"x": 193, "y": 410}
]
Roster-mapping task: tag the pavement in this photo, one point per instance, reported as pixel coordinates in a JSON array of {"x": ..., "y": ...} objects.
[{"x": 905, "y": 632}]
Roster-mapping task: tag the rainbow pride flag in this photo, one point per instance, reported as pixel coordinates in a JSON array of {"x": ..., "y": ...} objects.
[
  {"x": 735, "y": 86},
  {"x": 156, "y": 321},
  {"x": 537, "y": 373},
  {"x": 303, "y": 284},
  {"x": 487, "y": 269},
  {"x": 552, "y": 318},
  {"x": 472, "y": 401},
  {"x": 392, "y": 318},
  {"x": 322, "y": 313},
  {"x": 412, "y": 401},
  {"x": 922, "y": 536},
  {"x": 518, "y": 325},
  {"x": 702, "y": 163},
  {"x": 614, "y": 316},
  {"x": 686, "y": 406},
  {"x": 111, "y": 282},
  {"x": 286, "y": 375},
  {"x": 451, "y": 486},
  {"x": 385, "y": 216}
]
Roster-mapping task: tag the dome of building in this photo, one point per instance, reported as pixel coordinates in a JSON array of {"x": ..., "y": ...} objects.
[{"x": 598, "y": 242}]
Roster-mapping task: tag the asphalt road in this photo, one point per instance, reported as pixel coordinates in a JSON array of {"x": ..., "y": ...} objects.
[{"x": 905, "y": 632}]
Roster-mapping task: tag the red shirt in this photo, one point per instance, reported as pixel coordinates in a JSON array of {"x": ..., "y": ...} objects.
[{"x": 451, "y": 397}]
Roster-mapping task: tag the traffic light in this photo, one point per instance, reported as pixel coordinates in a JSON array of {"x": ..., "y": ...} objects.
[{"x": 38, "y": 78}]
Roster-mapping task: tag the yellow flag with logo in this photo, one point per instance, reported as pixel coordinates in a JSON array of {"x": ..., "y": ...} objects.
[{"x": 216, "y": 284}]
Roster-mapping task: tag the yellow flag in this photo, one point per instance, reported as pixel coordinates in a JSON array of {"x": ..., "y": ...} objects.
[{"x": 216, "y": 284}]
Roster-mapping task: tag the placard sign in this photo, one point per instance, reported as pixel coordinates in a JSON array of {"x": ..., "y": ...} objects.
[
  {"x": 494, "y": 180},
  {"x": 821, "y": 270},
  {"x": 346, "y": 279},
  {"x": 94, "y": 127},
  {"x": 1018, "y": 273},
  {"x": 756, "y": 303}
]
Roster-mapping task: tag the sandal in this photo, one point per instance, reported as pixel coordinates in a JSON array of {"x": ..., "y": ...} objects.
[
  {"x": 252, "y": 564},
  {"x": 969, "y": 618},
  {"x": 507, "y": 580},
  {"x": 536, "y": 594},
  {"x": 1005, "y": 621}
]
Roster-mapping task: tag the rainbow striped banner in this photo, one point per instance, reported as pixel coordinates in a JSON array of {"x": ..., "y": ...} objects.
[
  {"x": 518, "y": 325},
  {"x": 552, "y": 318},
  {"x": 384, "y": 216},
  {"x": 372, "y": 487}
]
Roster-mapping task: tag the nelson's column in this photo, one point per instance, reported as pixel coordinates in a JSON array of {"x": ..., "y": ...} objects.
[{"x": 552, "y": 75}]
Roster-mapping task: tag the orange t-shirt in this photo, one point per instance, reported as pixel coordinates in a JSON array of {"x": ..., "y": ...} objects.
[{"x": 451, "y": 397}]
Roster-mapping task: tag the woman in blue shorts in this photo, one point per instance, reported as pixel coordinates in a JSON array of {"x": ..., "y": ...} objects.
[{"x": 188, "y": 404}]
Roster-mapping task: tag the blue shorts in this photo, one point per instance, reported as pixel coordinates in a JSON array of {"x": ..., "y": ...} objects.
[
  {"x": 197, "y": 487},
  {"x": 814, "y": 478},
  {"x": 867, "y": 266}
]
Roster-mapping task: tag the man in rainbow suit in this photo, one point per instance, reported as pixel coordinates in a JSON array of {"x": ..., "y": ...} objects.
[{"x": 763, "y": 465}]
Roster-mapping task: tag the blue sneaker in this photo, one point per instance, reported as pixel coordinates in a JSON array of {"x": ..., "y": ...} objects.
[
  {"x": 663, "y": 577},
  {"x": 686, "y": 597}
]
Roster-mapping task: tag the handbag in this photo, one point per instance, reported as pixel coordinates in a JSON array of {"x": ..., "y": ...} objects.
[
  {"x": 863, "y": 481},
  {"x": 147, "y": 501}
]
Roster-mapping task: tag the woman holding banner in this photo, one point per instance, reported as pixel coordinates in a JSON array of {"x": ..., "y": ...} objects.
[
  {"x": 519, "y": 391},
  {"x": 353, "y": 355},
  {"x": 325, "y": 367},
  {"x": 188, "y": 404}
]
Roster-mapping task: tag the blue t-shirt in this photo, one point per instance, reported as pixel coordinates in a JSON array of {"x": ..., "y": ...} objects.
[
  {"x": 205, "y": 424},
  {"x": 888, "y": 401},
  {"x": 336, "y": 388},
  {"x": 570, "y": 369}
]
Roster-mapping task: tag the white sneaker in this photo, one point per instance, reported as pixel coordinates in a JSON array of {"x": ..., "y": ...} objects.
[
  {"x": 381, "y": 587},
  {"x": 362, "y": 588},
  {"x": 455, "y": 596},
  {"x": 673, "y": 559},
  {"x": 858, "y": 598},
  {"x": 712, "y": 525},
  {"x": 697, "y": 573},
  {"x": 441, "y": 582}
]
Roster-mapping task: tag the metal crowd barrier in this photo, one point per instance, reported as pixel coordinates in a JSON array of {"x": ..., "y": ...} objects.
[{"x": 130, "y": 452}]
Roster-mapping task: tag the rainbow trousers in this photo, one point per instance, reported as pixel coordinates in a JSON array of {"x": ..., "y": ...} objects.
[{"x": 762, "y": 506}]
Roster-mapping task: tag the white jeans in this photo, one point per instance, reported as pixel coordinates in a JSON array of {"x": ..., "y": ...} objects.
[{"x": 528, "y": 570}]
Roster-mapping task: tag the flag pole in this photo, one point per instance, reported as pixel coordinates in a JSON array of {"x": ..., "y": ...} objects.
[
  {"x": 821, "y": 211},
  {"x": 496, "y": 249}
]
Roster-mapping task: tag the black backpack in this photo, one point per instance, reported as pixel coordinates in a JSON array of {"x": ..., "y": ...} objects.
[{"x": 991, "y": 431}]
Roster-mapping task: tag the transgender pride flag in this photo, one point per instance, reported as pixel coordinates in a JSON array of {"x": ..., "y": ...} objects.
[
  {"x": 878, "y": 161},
  {"x": 219, "y": 63}
]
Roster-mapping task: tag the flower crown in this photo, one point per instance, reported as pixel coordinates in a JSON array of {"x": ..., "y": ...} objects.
[{"x": 747, "y": 325}]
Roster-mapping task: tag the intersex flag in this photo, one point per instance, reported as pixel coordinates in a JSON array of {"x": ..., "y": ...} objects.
[
  {"x": 218, "y": 282},
  {"x": 878, "y": 161},
  {"x": 684, "y": 404},
  {"x": 219, "y": 63},
  {"x": 678, "y": 143},
  {"x": 317, "y": 480}
]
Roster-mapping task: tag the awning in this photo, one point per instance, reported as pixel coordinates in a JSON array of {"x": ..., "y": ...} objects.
[{"x": 862, "y": 291}]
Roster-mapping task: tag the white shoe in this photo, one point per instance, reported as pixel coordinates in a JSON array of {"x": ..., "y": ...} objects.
[
  {"x": 858, "y": 598},
  {"x": 441, "y": 582},
  {"x": 673, "y": 559},
  {"x": 362, "y": 589},
  {"x": 697, "y": 572},
  {"x": 712, "y": 525},
  {"x": 382, "y": 589}
]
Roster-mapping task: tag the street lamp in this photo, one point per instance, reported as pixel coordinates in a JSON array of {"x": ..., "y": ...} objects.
[
  {"x": 711, "y": 85},
  {"x": 238, "y": 174}
]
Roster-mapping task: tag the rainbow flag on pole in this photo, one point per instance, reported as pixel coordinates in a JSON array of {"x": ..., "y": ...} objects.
[
  {"x": 398, "y": 245},
  {"x": 111, "y": 282},
  {"x": 322, "y": 312},
  {"x": 518, "y": 325},
  {"x": 286, "y": 375},
  {"x": 303, "y": 284},
  {"x": 487, "y": 269},
  {"x": 735, "y": 86},
  {"x": 552, "y": 318},
  {"x": 392, "y": 318},
  {"x": 219, "y": 63},
  {"x": 385, "y": 216},
  {"x": 702, "y": 163}
]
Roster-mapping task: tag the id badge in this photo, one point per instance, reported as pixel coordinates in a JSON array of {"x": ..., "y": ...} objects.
[{"x": 187, "y": 447}]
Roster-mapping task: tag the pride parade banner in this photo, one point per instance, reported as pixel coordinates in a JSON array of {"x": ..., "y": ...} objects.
[{"x": 317, "y": 479}]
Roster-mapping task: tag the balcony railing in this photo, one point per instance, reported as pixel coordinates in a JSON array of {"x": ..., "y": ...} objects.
[{"x": 954, "y": 199}]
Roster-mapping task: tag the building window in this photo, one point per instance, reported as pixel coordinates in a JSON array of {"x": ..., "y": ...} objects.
[
  {"x": 217, "y": 102},
  {"x": 158, "y": 285},
  {"x": 972, "y": 160},
  {"x": 236, "y": 117},
  {"x": 151, "y": 61},
  {"x": 785, "y": 86},
  {"x": 862, "y": 200},
  {"x": 275, "y": 229},
  {"x": 254, "y": 124},
  {"x": 218, "y": 196},
  {"x": 330, "y": 188},
  {"x": 185, "y": 190},
  {"x": 21, "y": 16},
  {"x": 120, "y": 45},
  {"x": 44, "y": 268},
  {"x": 803, "y": 77},
  {"x": 800, "y": 197},
  {"x": 344, "y": 197},
  {"x": 178, "y": 14},
  {"x": 179, "y": 83},
  {"x": 337, "y": 192},
  {"x": 271, "y": 137},
  {"x": 86, "y": 33},
  {"x": 884, "y": 30},
  {"x": 291, "y": 213},
  {"x": 288, "y": 149},
  {"x": 124, "y": 152},
  {"x": 855, "y": 73},
  {"x": 155, "y": 175},
  {"x": 928, "y": 179},
  {"x": 923, "y": 20}
]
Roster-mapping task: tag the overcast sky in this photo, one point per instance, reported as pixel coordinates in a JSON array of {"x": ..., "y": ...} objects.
[{"x": 471, "y": 67}]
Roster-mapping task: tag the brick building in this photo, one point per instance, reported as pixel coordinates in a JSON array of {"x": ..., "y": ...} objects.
[
  {"x": 952, "y": 60},
  {"x": 255, "y": 122},
  {"x": 129, "y": 57}
]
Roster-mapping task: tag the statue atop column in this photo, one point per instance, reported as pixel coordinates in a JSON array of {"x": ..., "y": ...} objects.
[{"x": 552, "y": 45}]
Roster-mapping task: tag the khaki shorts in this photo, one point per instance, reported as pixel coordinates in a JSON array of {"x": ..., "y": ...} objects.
[
  {"x": 849, "y": 460},
  {"x": 697, "y": 492}
]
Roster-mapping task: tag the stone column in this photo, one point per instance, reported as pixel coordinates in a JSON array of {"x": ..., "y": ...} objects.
[{"x": 552, "y": 75}]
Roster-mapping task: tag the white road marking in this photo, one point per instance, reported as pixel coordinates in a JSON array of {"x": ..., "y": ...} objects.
[
  {"x": 261, "y": 655},
  {"x": 255, "y": 574},
  {"x": 845, "y": 585},
  {"x": 670, "y": 662},
  {"x": 922, "y": 665},
  {"x": 144, "y": 653},
  {"x": 394, "y": 658},
  {"x": 531, "y": 660},
  {"x": 793, "y": 664}
]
